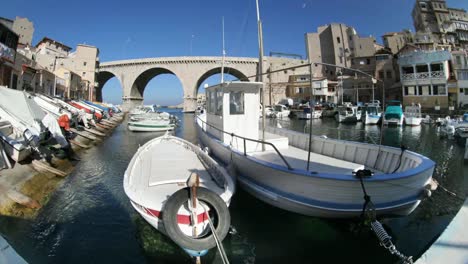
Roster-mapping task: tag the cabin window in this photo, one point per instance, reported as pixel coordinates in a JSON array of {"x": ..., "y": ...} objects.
[
  {"x": 212, "y": 96},
  {"x": 219, "y": 102},
  {"x": 236, "y": 103}
]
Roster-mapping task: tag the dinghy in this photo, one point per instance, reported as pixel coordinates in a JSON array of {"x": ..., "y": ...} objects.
[
  {"x": 178, "y": 189},
  {"x": 150, "y": 125},
  {"x": 325, "y": 182}
]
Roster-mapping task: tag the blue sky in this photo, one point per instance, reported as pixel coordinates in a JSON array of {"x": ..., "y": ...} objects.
[{"x": 139, "y": 29}]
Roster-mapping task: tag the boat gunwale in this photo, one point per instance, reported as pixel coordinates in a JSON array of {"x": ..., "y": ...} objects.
[{"x": 425, "y": 165}]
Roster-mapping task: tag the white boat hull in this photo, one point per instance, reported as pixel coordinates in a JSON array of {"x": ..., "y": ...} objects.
[
  {"x": 413, "y": 121},
  {"x": 393, "y": 121},
  {"x": 324, "y": 194},
  {"x": 149, "y": 128},
  {"x": 371, "y": 119}
]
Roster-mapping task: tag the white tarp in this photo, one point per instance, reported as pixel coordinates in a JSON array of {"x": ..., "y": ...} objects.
[
  {"x": 20, "y": 106},
  {"x": 51, "y": 123}
]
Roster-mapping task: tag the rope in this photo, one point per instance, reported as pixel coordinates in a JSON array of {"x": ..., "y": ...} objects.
[
  {"x": 219, "y": 245},
  {"x": 403, "y": 148}
]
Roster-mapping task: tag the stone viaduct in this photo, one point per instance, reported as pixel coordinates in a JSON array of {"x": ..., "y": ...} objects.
[{"x": 135, "y": 74}]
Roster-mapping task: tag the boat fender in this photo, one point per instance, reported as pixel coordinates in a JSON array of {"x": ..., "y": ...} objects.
[
  {"x": 206, "y": 150},
  {"x": 426, "y": 193},
  {"x": 218, "y": 210}
]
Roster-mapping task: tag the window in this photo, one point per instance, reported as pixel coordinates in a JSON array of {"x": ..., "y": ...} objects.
[
  {"x": 389, "y": 75},
  {"x": 381, "y": 75},
  {"x": 410, "y": 90},
  {"x": 338, "y": 39},
  {"x": 424, "y": 90},
  {"x": 219, "y": 102},
  {"x": 439, "y": 89},
  {"x": 422, "y": 68},
  {"x": 368, "y": 61},
  {"x": 458, "y": 58},
  {"x": 466, "y": 91},
  {"x": 84, "y": 63},
  {"x": 236, "y": 103},
  {"x": 212, "y": 96},
  {"x": 437, "y": 67},
  {"x": 462, "y": 75},
  {"x": 461, "y": 90},
  {"x": 84, "y": 73}
]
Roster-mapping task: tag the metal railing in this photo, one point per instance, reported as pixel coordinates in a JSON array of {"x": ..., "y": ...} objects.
[{"x": 248, "y": 139}]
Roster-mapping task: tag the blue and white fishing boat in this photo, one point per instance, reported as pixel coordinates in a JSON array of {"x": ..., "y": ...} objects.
[
  {"x": 276, "y": 165},
  {"x": 393, "y": 115}
]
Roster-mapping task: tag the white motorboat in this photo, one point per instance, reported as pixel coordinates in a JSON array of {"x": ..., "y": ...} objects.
[
  {"x": 276, "y": 169},
  {"x": 371, "y": 114},
  {"x": 24, "y": 124},
  {"x": 316, "y": 113},
  {"x": 161, "y": 182},
  {"x": 150, "y": 125},
  {"x": 348, "y": 114},
  {"x": 280, "y": 111},
  {"x": 393, "y": 115},
  {"x": 413, "y": 115}
]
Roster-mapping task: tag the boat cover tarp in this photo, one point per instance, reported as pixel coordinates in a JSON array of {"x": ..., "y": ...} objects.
[
  {"x": 51, "y": 123},
  {"x": 394, "y": 110},
  {"x": 96, "y": 105},
  {"x": 22, "y": 107}
]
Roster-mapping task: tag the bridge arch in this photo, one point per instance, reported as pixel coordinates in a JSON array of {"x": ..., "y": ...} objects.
[
  {"x": 102, "y": 79},
  {"x": 227, "y": 70},
  {"x": 142, "y": 80}
]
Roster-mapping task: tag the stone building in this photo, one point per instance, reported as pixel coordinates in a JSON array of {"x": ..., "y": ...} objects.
[
  {"x": 460, "y": 71},
  {"x": 69, "y": 84},
  {"x": 448, "y": 26},
  {"x": 299, "y": 89},
  {"x": 394, "y": 41},
  {"x": 84, "y": 61},
  {"x": 8, "y": 44},
  {"x": 22, "y": 27}
]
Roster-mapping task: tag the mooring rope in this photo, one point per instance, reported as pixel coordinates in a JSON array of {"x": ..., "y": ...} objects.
[
  {"x": 368, "y": 209},
  {"x": 219, "y": 243}
]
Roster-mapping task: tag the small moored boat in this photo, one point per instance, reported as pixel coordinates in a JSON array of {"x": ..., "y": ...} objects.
[
  {"x": 161, "y": 183},
  {"x": 413, "y": 115}
]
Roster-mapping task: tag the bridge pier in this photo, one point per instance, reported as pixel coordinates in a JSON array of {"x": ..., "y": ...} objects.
[
  {"x": 190, "y": 104},
  {"x": 128, "y": 103}
]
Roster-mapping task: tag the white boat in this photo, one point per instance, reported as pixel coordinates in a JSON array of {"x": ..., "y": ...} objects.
[
  {"x": 413, "y": 115},
  {"x": 461, "y": 129},
  {"x": 280, "y": 111},
  {"x": 8, "y": 254},
  {"x": 329, "y": 111},
  {"x": 24, "y": 124},
  {"x": 159, "y": 182},
  {"x": 371, "y": 114},
  {"x": 150, "y": 125},
  {"x": 446, "y": 126},
  {"x": 275, "y": 169},
  {"x": 348, "y": 114},
  {"x": 307, "y": 114}
]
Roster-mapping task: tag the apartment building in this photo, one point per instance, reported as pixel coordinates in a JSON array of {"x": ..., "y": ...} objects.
[
  {"x": 424, "y": 77},
  {"x": 298, "y": 88},
  {"x": 69, "y": 84},
  {"x": 460, "y": 70}
]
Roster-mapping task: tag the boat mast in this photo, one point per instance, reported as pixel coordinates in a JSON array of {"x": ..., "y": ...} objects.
[
  {"x": 260, "y": 71},
  {"x": 224, "y": 55},
  {"x": 311, "y": 77}
]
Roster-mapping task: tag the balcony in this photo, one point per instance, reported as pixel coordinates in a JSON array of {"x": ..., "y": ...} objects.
[{"x": 423, "y": 75}]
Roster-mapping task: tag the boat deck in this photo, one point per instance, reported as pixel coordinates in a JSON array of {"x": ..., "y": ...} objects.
[
  {"x": 163, "y": 169},
  {"x": 297, "y": 158}
]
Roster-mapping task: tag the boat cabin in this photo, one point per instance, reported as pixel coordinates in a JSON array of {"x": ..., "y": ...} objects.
[{"x": 233, "y": 108}]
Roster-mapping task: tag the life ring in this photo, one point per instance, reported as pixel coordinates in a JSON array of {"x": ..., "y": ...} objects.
[{"x": 218, "y": 210}]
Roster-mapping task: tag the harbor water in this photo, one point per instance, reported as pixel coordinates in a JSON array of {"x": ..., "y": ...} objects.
[{"x": 89, "y": 219}]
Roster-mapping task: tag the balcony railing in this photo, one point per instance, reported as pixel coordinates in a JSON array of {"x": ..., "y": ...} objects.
[{"x": 423, "y": 75}]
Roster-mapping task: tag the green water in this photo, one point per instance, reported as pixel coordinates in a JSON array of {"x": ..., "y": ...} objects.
[{"x": 90, "y": 220}]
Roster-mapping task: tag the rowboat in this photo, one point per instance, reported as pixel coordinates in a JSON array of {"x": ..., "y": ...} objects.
[{"x": 178, "y": 189}]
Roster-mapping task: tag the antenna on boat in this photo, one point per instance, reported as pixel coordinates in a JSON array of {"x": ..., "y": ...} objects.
[
  {"x": 224, "y": 55},
  {"x": 260, "y": 71}
]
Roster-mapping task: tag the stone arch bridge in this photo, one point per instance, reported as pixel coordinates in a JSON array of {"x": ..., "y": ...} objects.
[{"x": 135, "y": 74}]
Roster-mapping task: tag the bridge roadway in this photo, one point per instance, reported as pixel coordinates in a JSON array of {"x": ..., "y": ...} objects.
[{"x": 134, "y": 75}]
